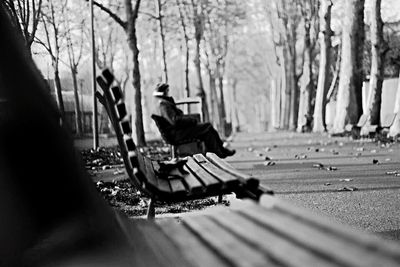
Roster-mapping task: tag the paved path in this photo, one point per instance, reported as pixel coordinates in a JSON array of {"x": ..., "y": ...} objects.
[{"x": 296, "y": 176}]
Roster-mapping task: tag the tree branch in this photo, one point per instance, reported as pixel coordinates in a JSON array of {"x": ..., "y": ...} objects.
[{"x": 114, "y": 16}]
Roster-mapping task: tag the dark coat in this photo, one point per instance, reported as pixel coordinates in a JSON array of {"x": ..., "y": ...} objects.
[
  {"x": 182, "y": 127},
  {"x": 169, "y": 111}
]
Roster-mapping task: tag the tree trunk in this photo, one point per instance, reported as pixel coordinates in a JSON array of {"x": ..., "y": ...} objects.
[
  {"x": 304, "y": 114},
  {"x": 349, "y": 102},
  {"x": 132, "y": 41},
  {"x": 214, "y": 114},
  {"x": 78, "y": 114},
  {"x": 377, "y": 58},
  {"x": 58, "y": 89},
  {"x": 186, "y": 38},
  {"x": 222, "y": 111},
  {"x": 198, "y": 28},
  {"x": 294, "y": 98},
  {"x": 286, "y": 89},
  {"x": 235, "y": 112},
  {"x": 162, "y": 36},
  {"x": 395, "y": 128},
  {"x": 324, "y": 63}
]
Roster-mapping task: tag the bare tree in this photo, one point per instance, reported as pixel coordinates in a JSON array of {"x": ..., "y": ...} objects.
[
  {"x": 394, "y": 130},
  {"x": 309, "y": 11},
  {"x": 75, "y": 52},
  {"x": 129, "y": 27},
  {"x": 349, "y": 108},
  {"x": 198, "y": 21},
  {"x": 378, "y": 51},
  {"x": 160, "y": 19},
  {"x": 181, "y": 6},
  {"x": 324, "y": 63},
  {"x": 25, "y": 16},
  {"x": 289, "y": 19},
  {"x": 51, "y": 25}
]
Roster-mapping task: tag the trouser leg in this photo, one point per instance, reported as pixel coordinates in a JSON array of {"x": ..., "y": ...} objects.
[{"x": 206, "y": 133}]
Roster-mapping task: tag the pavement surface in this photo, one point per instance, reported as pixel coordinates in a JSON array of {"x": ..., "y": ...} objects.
[{"x": 351, "y": 181}]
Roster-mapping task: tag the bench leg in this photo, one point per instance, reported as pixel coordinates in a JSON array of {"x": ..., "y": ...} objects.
[
  {"x": 173, "y": 152},
  {"x": 151, "y": 213},
  {"x": 220, "y": 199}
]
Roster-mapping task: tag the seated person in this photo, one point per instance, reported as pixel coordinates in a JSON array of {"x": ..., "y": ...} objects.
[{"x": 187, "y": 127}]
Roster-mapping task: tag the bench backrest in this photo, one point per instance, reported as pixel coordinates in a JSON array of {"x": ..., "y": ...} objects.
[
  {"x": 163, "y": 126},
  {"x": 138, "y": 167}
]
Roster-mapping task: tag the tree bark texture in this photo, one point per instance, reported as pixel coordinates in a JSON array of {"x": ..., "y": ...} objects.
[
  {"x": 377, "y": 59},
  {"x": 306, "y": 86},
  {"x": 221, "y": 105},
  {"x": 234, "y": 106},
  {"x": 162, "y": 37},
  {"x": 58, "y": 89},
  {"x": 395, "y": 128},
  {"x": 324, "y": 63},
  {"x": 186, "y": 38},
  {"x": 132, "y": 42},
  {"x": 349, "y": 102},
  {"x": 78, "y": 114},
  {"x": 287, "y": 92},
  {"x": 198, "y": 28}
]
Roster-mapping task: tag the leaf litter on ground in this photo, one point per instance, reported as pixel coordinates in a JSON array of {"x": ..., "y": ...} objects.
[{"x": 122, "y": 196}]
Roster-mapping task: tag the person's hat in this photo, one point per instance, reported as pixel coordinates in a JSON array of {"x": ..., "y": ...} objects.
[{"x": 160, "y": 89}]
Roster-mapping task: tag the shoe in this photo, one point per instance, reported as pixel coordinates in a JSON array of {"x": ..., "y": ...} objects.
[{"x": 228, "y": 152}]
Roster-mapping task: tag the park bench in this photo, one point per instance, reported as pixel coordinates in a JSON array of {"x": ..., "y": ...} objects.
[{"x": 198, "y": 176}]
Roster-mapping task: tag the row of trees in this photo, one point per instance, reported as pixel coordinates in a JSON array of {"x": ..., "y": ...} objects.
[
  {"x": 279, "y": 60},
  {"x": 312, "y": 19}
]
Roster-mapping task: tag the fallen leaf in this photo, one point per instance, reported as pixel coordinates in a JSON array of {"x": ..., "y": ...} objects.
[
  {"x": 318, "y": 165},
  {"x": 331, "y": 168},
  {"x": 269, "y": 163},
  {"x": 348, "y": 189}
]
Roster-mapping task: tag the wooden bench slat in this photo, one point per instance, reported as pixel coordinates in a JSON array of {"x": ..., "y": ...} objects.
[
  {"x": 207, "y": 179},
  {"x": 224, "y": 243},
  {"x": 189, "y": 245},
  {"x": 109, "y": 77},
  {"x": 324, "y": 243},
  {"x": 177, "y": 186},
  {"x": 225, "y": 177},
  {"x": 120, "y": 110},
  {"x": 269, "y": 242},
  {"x": 371, "y": 242},
  {"x": 125, "y": 126},
  {"x": 191, "y": 182},
  {"x": 116, "y": 93},
  {"x": 152, "y": 245},
  {"x": 145, "y": 167},
  {"x": 244, "y": 178},
  {"x": 145, "y": 254}
]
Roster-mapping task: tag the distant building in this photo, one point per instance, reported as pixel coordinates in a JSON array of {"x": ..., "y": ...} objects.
[{"x": 86, "y": 105}]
